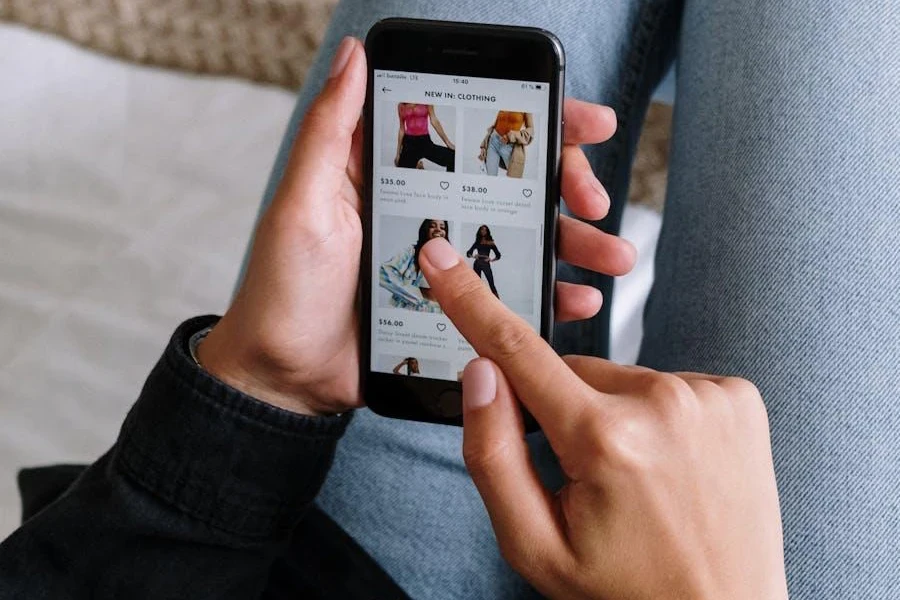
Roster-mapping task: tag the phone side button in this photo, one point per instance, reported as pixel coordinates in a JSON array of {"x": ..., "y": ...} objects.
[{"x": 449, "y": 403}]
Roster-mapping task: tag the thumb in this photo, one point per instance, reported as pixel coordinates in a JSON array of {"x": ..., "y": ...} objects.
[
  {"x": 520, "y": 508},
  {"x": 317, "y": 168}
]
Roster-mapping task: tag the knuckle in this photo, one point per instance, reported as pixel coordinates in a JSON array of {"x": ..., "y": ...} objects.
[
  {"x": 508, "y": 338},
  {"x": 746, "y": 397},
  {"x": 672, "y": 404},
  {"x": 477, "y": 462},
  {"x": 669, "y": 394},
  {"x": 666, "y": 386},
  {"x": 618, "y": 442},
  {"x": 741, "y": 388},
  {"x": 603, "y": 443},
  {"x": 705, "y": 388},
  {"x": 612, "y": 442},
  {"x": 464, "y": 292},
  {"x": 599, "y": 432},
  {"x": 623, "y": 450},
  {"x": 484, "y": 460},
  {"x": 638, "y": 371}
]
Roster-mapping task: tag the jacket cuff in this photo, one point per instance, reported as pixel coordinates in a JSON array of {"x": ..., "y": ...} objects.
[{"x": 238, "y": 464}]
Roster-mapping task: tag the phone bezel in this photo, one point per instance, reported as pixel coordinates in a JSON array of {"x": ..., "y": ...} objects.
[{"x": 465, "y": 49}]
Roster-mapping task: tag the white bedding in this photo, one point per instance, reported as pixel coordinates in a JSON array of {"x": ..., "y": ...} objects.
[{"x": 126, "y": 198}]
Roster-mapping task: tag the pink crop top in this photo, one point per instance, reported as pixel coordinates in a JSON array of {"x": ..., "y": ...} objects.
[{"x": 415, "y": 118}]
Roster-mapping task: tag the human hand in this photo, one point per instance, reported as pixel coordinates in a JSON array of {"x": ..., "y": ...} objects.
[
  {"x": 526, "y": 136},
  {"x": 482, "y": 154},
  {"x": 671, "y": 489},
  {"x": 291, "y": 335}
]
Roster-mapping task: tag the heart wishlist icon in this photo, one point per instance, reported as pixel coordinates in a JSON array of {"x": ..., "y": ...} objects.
[
  {"x": 445, "y": 185},
  {"x": 526, "y": 192},
  {"x": 441, "y": 326}
]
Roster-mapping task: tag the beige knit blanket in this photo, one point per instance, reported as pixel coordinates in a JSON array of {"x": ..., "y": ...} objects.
[{"x": 268, "y": 41}]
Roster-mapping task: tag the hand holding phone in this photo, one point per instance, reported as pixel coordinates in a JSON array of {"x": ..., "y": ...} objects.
[
  {"x": 495, "y": 93},
  {"x": 291, "y": 334},
  {"x": 290, "y": 338}
]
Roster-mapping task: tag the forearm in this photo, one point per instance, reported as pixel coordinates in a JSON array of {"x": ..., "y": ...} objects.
[
  {"x": 442, "y": 134},
  {"x": 198, "y": 496},
  {"x": 438, "y": 127}
]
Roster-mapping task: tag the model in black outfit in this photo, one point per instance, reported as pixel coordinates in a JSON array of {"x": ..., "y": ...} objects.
[
  {"x": 481, "y": 250},
  {"x": 417, "y": 147}
]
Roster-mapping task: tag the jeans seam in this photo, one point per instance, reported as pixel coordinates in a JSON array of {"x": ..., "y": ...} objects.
[{"x": 645, "y": 31}]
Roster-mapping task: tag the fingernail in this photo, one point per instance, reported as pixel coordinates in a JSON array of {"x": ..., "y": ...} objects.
[
  {"x": 440, "y": 253},
  {"x": 610, "y": 113},
  {"x": 598, "y": 187},
  {"x": 341, "y": 57},
  {"x": 479, "y": 384}
]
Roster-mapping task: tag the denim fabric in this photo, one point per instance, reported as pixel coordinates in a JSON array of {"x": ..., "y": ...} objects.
[
  {"x": 496, "y": 151},
  {"x": 779, "y": 260}
]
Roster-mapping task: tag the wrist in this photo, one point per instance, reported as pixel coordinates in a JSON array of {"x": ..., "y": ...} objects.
[{"x": 224, "y": 357}]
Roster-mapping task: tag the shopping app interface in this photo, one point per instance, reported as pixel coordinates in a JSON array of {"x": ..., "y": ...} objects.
[{"x": 463, "y": 158}]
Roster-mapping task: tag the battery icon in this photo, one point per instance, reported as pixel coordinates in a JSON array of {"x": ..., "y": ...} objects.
[{"x": 537, "y": 86}]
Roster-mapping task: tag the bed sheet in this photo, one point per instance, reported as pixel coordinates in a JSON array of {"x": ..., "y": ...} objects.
[{"x": 127, "y": 195}]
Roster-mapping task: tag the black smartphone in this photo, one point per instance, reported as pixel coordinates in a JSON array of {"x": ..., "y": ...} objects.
[{"x": 463, "y": 126}]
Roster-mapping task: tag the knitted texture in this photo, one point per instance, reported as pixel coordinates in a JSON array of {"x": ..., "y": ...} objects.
[
  {"x": 651, "y": 161},
  {"x": 268, "y": 41}
]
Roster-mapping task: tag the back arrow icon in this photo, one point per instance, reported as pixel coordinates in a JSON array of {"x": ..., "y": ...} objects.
[{"x": 385, "y": 90}]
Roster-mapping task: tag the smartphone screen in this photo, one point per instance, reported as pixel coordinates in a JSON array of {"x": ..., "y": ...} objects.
[{"x": 464, "y": 158}]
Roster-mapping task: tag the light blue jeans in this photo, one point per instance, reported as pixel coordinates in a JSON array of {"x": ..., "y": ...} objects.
[
  {"x": 496, "y": 150},
  {"x": 779, "y": 260}
]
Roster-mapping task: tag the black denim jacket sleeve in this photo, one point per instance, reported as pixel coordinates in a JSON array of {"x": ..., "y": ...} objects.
[{"x": 197, "y": 498}]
